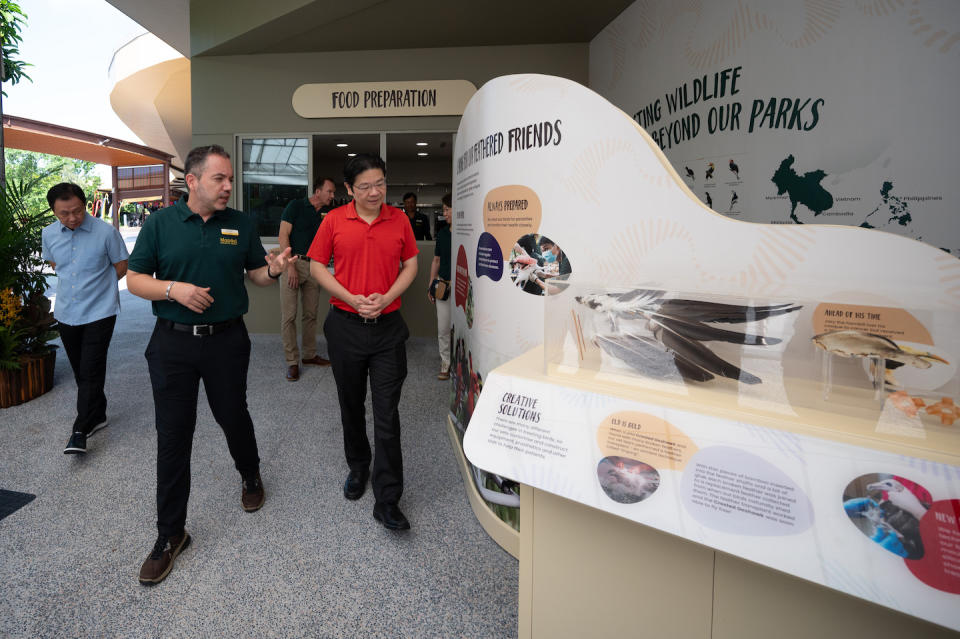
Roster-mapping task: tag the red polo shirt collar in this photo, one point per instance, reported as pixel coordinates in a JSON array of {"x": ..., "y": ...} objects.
[{"x": 386, "y": 212}]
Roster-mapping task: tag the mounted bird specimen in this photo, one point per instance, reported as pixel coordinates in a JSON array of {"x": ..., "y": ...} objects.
[
  {"x": 852, "y": 343},
  {"x": 657, "y": 335}
]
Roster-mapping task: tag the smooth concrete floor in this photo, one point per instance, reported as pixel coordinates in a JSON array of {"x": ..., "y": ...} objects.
[{"x": 309, "y": 564}]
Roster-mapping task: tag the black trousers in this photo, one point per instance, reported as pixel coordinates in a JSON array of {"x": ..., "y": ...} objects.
[
  {"x": 86, "y": 346},
  {"x": 378, "y": 351},
  {"x": 178, "y": 361}
]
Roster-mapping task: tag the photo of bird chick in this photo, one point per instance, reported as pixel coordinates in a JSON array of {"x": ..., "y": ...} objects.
[
  {"x": 627, "y": 481},
  {"x": 709, "y": 200},
  {"x": 733, "y": 199},
  {"x": 690, "y": 173},
  {"x": 659, "y": 336},
  {"x": 710, "y": 168},
  {"x": 734, "y": 168},
  {"x": 853, "y": 343}
]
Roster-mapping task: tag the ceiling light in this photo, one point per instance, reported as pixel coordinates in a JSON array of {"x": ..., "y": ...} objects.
[
  {"x": 421, "y": 144},
  {"x": 342, "y": 145},
  {"x": 351, "y": 155},
  {"x": 422, "y": 154}
]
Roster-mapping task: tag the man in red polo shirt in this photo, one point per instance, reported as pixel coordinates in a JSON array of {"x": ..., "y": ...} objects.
[{"x": 375, "y": 260}]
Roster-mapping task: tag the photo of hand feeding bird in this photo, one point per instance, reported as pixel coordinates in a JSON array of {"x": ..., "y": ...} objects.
[{"x": 660, "y": 336}]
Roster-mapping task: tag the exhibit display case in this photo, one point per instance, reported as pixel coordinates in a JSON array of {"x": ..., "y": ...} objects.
[
  {"x": 829, "y": 367},
  {"x": 715, "y": 395}
]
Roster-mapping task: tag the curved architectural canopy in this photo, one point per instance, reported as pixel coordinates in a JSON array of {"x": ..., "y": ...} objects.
[{"x": 151, "y": 93}]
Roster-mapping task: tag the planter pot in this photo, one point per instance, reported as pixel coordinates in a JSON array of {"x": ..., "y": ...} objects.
[{"x": 34, "y": 378}]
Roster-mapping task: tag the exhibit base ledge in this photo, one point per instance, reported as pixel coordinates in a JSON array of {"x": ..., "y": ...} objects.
[{"x": 501, "y": 532}]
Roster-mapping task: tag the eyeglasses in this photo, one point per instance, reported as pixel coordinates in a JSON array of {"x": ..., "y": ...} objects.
[{"x": 363, "y": 188}]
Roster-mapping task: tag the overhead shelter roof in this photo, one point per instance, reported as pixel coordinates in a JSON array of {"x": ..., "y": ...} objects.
[
  {"x": 245, "y": 27},
  {"x": 32, "y": 135}
]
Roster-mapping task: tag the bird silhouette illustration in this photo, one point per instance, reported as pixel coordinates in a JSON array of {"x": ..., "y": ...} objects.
[
  {"x": 690, "y": 173},
  {"x": 733, "y": 200},
  {"x": 709, "y": 200},
  {"x": 734, "y": 168},
  {"x": 710, "y": 168}
]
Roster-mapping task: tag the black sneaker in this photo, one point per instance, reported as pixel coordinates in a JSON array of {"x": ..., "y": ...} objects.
[{"x": 77, "y": 444}]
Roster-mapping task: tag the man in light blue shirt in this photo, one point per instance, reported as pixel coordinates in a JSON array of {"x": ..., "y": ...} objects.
[{"x": 89, "y": 257}]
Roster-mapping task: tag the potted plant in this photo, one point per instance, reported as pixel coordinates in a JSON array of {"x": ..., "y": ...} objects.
[{"x": 27, "y": 326}]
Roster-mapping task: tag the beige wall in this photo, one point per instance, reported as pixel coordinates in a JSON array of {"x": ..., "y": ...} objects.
[{"x": 252, "y": 94}]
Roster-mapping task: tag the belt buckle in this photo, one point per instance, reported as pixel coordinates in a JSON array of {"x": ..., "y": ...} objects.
[
  {"x": 199, "y": 330},
  {"x": 369, "y": 320}
]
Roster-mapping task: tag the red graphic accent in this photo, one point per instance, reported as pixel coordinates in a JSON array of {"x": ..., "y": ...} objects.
[
  {"x": 462, "y": 280},
  {"x": 918, "y": 491},
  {"x": 940, "y": 530}
]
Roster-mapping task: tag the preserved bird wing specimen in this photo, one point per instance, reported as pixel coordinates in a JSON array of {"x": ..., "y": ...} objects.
[{"x": 657, "y": 335}]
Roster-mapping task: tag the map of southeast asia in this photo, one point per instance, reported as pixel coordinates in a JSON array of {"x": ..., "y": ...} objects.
[
  {"x": 802, "y": 189},
  {"x": 892, "y": 214}
]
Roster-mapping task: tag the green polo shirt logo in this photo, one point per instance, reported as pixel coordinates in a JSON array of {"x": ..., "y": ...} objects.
[{"x": 229, "y": 236}]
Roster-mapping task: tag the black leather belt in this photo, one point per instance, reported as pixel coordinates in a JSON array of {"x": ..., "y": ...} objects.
[
  {"x": 303, "y": 258},
  {"x": 199, "y": 330},
  {"x": 362, "y": 320}
]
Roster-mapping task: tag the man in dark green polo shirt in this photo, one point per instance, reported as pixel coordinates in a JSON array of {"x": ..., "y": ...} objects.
[
  {"x": 298, "y": 226},
  {"x": 190, "y": 260},
  {"x": 418, "y": 221}
]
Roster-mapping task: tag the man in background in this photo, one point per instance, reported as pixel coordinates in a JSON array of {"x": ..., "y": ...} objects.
[
  {"x": 440, "y": 274},
  {"x": 419, "y": 221},
  {"x": 298, "y": 226},
  {"x": 89, "y": 257}
]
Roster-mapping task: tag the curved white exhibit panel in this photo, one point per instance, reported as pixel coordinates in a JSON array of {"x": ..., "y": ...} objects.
[{"x": 785, "y": 394}]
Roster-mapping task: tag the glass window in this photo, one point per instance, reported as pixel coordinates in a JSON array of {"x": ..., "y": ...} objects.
[
  {"x": 274, "y": 171},
  {"x": 420, "y": 163}
]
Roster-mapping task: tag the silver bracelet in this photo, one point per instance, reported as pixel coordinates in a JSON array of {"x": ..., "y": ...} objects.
[{"x": 169, "y": 286}]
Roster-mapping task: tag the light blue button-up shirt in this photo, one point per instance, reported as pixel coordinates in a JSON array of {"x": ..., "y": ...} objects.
[{"x": 86, "y": 279}]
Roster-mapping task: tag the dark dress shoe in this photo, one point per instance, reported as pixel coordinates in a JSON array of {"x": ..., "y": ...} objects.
[
  {"x": 252, "y": 494},
  {"x": 316, "y": 360},
  {"x": 293, "y": 373},
  {"x": 355, "y": 485},
  {"x": 159, "y": 562},
  {"x": 390, "y": 516}
]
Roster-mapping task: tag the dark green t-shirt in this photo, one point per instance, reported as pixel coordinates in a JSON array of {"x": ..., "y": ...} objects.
[
  {"x": 443, "y": 250},
  {"x": 305, "y": 220},
  {"x": 176, "y": 244}
]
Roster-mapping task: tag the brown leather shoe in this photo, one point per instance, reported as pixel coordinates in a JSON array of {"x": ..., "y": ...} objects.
[
  {"x": 252, "y": 495},
  {"x": 316, "y": 360},
  {"x": 293, "y": 373},
  {"x": 159, "y": 562}
]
